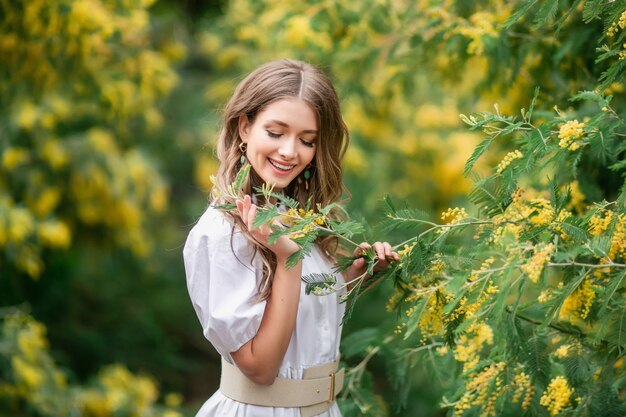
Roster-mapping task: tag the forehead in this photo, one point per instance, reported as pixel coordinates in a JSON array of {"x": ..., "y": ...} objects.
[{"x": 292, "y": 111}]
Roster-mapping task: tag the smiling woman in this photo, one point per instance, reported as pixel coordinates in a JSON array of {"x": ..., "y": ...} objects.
[
  {"x": 279, "y": 346},
  {"x": 280, "y": 140}
]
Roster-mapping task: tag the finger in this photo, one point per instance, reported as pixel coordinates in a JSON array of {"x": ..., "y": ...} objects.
[
  {"x": 387, "y": 248},
  {"x": 360, "y": 250},
  {"x": 395, "y": 256},
  {"x": 251, "y": 217},
  {"x": 358, "y": 263},
  {"x": 380, "y": 250},
  {"x": 247, "y": 202},
  {"x": 358, "y": 267},
  {"x": 243, "y": 213}
]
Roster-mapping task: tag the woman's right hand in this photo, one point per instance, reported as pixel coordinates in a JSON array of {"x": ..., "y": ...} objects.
[{"x": 282, "y": 248}]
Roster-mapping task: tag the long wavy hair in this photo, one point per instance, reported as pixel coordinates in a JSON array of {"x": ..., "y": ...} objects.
[{"x": 271, "y": 82}]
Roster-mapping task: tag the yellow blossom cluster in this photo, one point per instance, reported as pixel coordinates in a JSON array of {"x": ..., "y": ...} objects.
[
  {"x": 616, "y": 26},
  {"x": 118, "y": 388},
  {"x": 84, "y": 30},
  {"x": 431, "y": 323},
  {"x": 527, "y": 206},
  {"x": 601, "y": 275},
  {"x": 541, "y": 211},
  {"x": 483, "y": 267},
  {"x": 483, "y": 390},
  {"x": 292, "y": 217},
  {"x": 64, "y": 73},
  {"x": 577, "y": 198},
  {"x": 479, "y": 26},
  {"x": 562, "y": 351},
  {"x": 454, "y": 215},
  {"x": 32, "y": 375},
  {"x": 523, "y": 387},
  {"x": 557, "y": 227},
  {"x": 578, "y": 303},
  {"x": 545, "y": 296},
  {"x": 394, "y": 300},
  {"x": 556, "y": 396},
  {"x": 406, "y": 249},
  {"x": 400, "y": 328},
  {"x": 618, "y": 241},
  {"x": 35, "y": 379},
  {"x": 508, "y": 158},
  {"x": 24, "y": 232},
  {"x": 570, "y": 133},
  {"x": 437, "y": 266},
  {"x": 116, "y": 189},
  {"x": 503, "y": 234},
  {"x": 534, "y": 266},
  {"x": 470, "y": 344},
  {"x": 600, "y": 221}
]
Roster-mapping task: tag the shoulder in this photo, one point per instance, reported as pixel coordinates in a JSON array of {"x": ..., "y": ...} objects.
[
  {"x": 215, "y": 230},
  {"x": 212, "y": 226}
]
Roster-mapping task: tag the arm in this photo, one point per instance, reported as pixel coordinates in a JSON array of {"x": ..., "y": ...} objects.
[{"x": 260, "y": 358}]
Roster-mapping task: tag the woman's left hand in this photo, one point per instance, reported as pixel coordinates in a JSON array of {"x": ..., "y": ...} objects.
[{"x": 384, "y": 254}]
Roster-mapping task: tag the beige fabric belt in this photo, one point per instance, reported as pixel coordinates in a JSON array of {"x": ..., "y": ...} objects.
[{"x": 314, "y": 394}]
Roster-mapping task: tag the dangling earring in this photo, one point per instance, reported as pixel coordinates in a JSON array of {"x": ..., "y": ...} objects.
[
  {"x": 307, "y": 175},
  {"x": 243, "y": 147}
]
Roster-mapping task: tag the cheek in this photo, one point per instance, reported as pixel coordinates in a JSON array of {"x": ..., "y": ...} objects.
[{"x": 310, "y": 155}]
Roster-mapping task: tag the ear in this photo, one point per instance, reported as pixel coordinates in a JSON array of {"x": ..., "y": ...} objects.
[{"x": 244, "y": 127}]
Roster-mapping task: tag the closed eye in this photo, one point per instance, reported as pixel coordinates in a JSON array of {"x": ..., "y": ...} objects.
[
  {"x": 307, "y": 143},
  {"x": 273, "y": 135}
]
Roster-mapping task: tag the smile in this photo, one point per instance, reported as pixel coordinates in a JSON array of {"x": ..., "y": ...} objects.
[{"x": 281, "y": 167}]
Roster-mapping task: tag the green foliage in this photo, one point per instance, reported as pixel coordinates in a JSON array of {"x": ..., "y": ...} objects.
[
  {"x": 85, "y": 148},
  {"x": 33, "y": 381}
]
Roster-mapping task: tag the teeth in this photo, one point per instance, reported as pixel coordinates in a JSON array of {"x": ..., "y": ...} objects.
[{"x": 283, "y": 167}]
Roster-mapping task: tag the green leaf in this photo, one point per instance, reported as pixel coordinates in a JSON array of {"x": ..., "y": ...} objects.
[
  {"x": 592, "y": 10},
  {"x": 478, "y": 151},
  {"x": 517, "y": 15},
  {"x": 536, "y": 359},
  {"x": 294, "y": 258},
  {"x": 533, "y": 103},
  {"x": 319, "y": 283},
  {"x": 546, "y": 12},
  {"x": 265, "y": 215},
  {"x": 577, "y": 369},
  {"x": 389, "y": 205},
  {"x": 360, "y": 341},
  {"x": 616, "y": 284},
  {"x": 241, "y": 177},
  {"x": 347, "y": 228}
]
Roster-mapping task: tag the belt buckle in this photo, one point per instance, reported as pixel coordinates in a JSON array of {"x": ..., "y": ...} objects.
[{"x": 331, "y": 397}]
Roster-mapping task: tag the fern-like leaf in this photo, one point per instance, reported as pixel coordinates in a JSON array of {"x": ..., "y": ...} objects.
[{"x": 319, "y": 284}]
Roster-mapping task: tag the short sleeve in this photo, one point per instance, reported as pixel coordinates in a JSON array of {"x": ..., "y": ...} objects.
[{"x": 223, "y": 277}]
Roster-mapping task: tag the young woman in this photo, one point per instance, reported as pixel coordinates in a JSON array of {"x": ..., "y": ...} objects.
[{"x": 279, "y": 347}]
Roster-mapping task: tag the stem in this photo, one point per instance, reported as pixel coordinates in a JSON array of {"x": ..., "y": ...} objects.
[
  {"x": 331, "y": 231},
  {"x": 420, "y": 348},
  {"x": 551, "y": 325},
  {"x": 611, "y": 265}
]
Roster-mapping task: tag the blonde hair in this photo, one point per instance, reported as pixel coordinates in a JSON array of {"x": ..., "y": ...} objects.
[{"x": 271, "y": 82}]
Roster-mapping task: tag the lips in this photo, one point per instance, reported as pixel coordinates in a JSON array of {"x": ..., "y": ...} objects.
[{"x": 279, "y": 166}]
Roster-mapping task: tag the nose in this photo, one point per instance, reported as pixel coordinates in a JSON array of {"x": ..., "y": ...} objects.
[{"x": 287, "y": 149}]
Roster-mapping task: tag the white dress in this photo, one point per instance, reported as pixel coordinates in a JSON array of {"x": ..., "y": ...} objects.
[{"x": 223, "y": 279}]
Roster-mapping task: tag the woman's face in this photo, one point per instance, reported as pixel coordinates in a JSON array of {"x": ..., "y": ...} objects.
[{"x": 281, "y": 141}]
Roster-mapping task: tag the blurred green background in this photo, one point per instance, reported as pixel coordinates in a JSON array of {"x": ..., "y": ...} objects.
[{"x": 109, "y": 117}]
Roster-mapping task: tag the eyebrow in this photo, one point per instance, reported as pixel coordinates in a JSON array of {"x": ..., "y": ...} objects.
[{"x": 278, "y": 122}]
